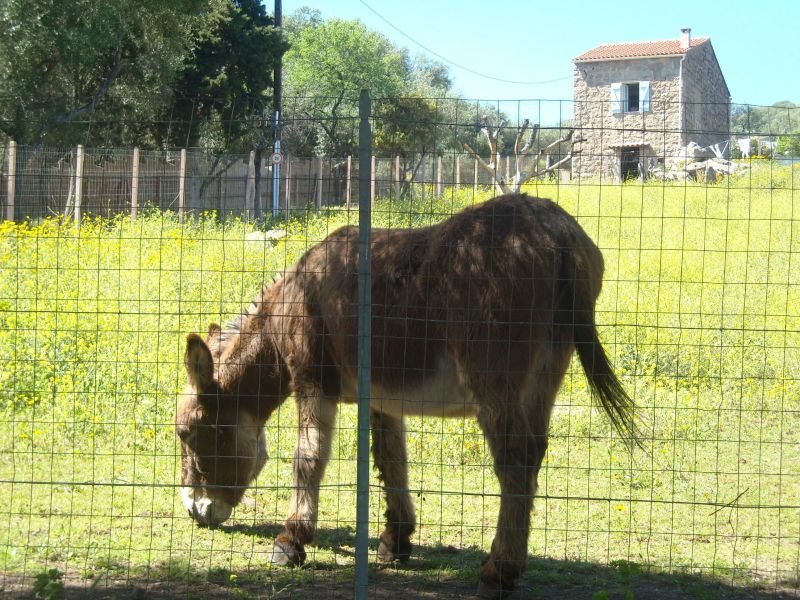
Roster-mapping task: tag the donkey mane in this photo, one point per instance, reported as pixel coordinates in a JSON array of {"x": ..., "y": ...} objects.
[{"x": 222, "y": 336}]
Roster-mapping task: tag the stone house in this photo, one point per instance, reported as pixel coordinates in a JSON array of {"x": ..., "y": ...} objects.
[{"x": 638, "y": 105}]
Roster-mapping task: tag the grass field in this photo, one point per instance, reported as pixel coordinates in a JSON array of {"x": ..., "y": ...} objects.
[{"x": 700, "y": 312}]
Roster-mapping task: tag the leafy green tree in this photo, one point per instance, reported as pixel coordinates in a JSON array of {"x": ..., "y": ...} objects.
[
  {"x": 430, "y": 78},
  {"x": 789, "y": 145},
  {"x": 409, "y": 127},
  {"x": 79, "y": 70},
  {"x": 328, "y": 64},
  {"x": 406, "y": 125},
  {"x": 224, "y": 89},
  {"x": 780, "y": 118}
]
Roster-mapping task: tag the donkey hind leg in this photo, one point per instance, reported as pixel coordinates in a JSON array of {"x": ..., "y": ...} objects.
[
  {"x": 517, "y": 438},
  {"x": 517, "y": 456},
  {"x": 316, "y": 417},
  {"x": 389, "y": 452}
]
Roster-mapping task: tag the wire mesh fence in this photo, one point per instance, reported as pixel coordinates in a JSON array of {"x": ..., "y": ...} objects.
[{"x": 698, "y": 316}]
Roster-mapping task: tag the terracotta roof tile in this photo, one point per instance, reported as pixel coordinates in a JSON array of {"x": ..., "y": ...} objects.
[{"x": 637, "y": 49}]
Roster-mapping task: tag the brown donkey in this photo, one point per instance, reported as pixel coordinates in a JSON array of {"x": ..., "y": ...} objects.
[{"x": 476, "y": 316}]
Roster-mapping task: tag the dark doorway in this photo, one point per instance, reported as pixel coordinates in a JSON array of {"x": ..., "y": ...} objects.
[{"x": 630, "y": 157}]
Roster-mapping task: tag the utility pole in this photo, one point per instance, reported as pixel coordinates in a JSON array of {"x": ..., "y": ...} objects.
[{"x": 276, "y": 149}]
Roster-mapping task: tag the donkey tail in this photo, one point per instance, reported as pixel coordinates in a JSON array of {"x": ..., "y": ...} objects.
[{"x": 582, "y": 289}]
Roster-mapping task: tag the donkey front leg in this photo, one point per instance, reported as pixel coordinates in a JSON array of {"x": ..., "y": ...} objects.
[
  {"x": 316, "y": 417},
  {"x": 389, "y": 452}
]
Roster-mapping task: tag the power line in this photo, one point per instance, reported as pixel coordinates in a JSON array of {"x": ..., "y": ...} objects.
[{"x": 455, "y": 64}]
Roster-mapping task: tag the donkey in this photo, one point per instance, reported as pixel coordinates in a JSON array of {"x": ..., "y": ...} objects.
[{"x": 476, "y": 316}]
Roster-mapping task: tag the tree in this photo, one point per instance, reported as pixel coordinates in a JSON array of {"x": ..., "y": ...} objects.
[
  {"x": 408, "y": 127},
  {"x": 224, "y": 88},
  {"x": 430, "y": 78},
  {"x": 525, "y": 149},
  {"x": 789, "y": 145},
  {"x": 328, "y": 64},
  {"x": 780, "y": 118},
  {"x": 78, "y": 70}
]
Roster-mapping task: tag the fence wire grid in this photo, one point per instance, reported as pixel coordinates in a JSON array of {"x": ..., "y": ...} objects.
[{"x": 111, "y": 256}]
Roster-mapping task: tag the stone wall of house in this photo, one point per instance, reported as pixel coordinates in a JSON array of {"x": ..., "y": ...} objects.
[
  {"x": 604, "y": 132},
  {"x": 707, "y": 105}
]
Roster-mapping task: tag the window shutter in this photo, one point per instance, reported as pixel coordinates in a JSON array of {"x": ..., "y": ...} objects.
[
  {"x": 616, "y": 98},
  {"x": 644, "y": 96}
]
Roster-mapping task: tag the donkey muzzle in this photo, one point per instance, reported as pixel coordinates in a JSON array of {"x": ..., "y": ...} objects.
[{"x": 204, "y": 510}]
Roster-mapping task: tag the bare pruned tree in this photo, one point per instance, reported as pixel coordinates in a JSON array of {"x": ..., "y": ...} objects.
[{"x": 527, "y": 162}]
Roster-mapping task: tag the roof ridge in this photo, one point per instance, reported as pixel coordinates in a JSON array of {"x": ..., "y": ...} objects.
[{"x": 694, "y": 39}]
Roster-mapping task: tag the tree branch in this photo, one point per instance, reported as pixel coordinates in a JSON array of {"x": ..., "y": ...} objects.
[
  {"x": 89, "y": 106},
  {"x": 212, "y": 176},
  {"x": 491, "y": 138},
  {"x": 529, "y": 144},
  {"x": 520, "y": 133},
  {"x": 521, "y": 177},
  {"x": 561, "y": 140},
  {"x": 499, "y": 183},
  {"x": 521, "y": 153}
]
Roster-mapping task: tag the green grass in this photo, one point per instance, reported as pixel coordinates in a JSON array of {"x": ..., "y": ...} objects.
[{"x": 700, "y": 311}]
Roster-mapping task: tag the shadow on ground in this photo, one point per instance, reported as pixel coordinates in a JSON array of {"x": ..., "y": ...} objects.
[{"x": 441, "y": 572}]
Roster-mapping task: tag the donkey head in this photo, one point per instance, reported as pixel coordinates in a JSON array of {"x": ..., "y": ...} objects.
[{"x": 222, "y": 442}]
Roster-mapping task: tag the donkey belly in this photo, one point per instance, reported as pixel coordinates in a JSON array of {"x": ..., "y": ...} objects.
[{"x": 436, "y": 393}]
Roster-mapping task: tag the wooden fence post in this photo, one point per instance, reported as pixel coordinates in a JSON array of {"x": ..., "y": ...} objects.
[
  {"x": 11, "y": 184},
  {"x": 397, "y": 177},
  {"x": 348, "y": 190},
  {"x": 78, "y": 185},
  {"x": 182, "y": 187},
  {"x": 318, "y": 182},
  {"x": 372, "y": 179},
  {"x": 439, "y": 176},
  {"x": 135, "y": 183},
  {"x": 250, "y": 187},
  {"x": 288, "y": 176}
]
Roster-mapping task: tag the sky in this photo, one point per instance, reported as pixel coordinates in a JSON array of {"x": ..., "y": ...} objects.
[{"x": 534, "y": 42}]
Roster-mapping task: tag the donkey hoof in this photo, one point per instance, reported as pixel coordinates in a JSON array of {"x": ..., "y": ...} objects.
[
  {"x": 494, "y": 582},
  {"x": 493, "y": 591},
  {"x": 287, "y": 553},
  {"x": 392, "y": 548}
]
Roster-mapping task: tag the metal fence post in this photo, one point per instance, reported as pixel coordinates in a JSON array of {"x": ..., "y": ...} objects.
[{"x": 364, "y": 341}]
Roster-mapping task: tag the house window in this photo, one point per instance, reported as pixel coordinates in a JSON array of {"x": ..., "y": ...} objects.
[{"x": 630, "y": 97}]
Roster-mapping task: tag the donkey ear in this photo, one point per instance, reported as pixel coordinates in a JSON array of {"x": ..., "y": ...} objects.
[
  {"x": 213, "y": 330},
  {"x": 198, "y": 361}
]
